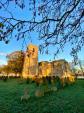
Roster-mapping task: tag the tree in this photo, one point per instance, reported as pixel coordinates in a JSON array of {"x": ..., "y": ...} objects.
[
  {"x": 0, "y": 69},
  {"x": 6, "y": 69},
  {"x": 15, "y": 61},
  {"x": 78, "y": 67},
  {"x": 81, "y": 67},
  {"x": 57, "y": 22}
]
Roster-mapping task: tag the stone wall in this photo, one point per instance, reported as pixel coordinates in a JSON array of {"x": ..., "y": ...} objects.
[
  {"x": 30, "y": 67},
  {"x": 54, "y": 68},
  {"x": 45, "y": 68}
]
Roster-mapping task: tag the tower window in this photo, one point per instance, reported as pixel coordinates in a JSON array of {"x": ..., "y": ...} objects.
[{"x": 33, "y": 50}]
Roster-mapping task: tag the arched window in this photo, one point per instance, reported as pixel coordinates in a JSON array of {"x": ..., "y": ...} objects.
[{"x": 33, "y": 50}]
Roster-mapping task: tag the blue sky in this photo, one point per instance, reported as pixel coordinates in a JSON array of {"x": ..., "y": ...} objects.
[{"x": 17, "y": 45}]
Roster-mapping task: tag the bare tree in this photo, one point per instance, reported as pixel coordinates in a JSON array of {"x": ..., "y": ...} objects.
[
  {"x": 81, "y": 67},
  {"x": 57, "y": 22}
]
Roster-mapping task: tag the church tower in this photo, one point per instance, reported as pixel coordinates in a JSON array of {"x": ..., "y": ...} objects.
[{"x": 30, "y": 67}]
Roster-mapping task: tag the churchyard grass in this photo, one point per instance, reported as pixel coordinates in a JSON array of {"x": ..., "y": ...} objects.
[{"x": 69, "y": 99}]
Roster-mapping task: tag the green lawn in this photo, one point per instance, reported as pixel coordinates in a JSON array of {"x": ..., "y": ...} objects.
[{"x": 67, "y": 100}]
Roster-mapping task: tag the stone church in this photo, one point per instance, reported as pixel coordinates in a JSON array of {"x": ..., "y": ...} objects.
[{"x": 32, "y": 67}]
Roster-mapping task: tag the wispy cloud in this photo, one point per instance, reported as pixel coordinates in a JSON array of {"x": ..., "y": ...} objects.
[{"x": 3, "y": 54}]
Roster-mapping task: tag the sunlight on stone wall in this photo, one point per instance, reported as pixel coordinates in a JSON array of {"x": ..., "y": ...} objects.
[{"x": 30, "y": 67}]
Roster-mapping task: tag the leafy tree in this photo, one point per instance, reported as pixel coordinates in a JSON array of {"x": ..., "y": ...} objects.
[
  {"x": 6, "y": 69},
  {"x": 15, "y": 61},
  {"x": 57, "y": 22},
  {"x": 0, "y": 69}
]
